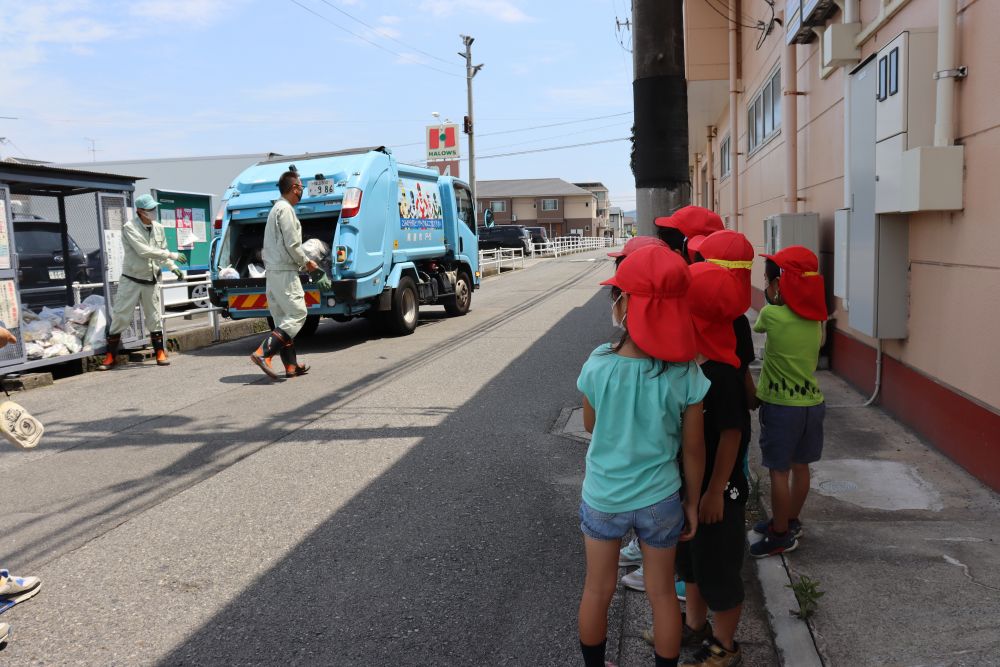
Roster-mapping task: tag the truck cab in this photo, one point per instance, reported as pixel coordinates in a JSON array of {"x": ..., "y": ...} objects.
[{"x": 399, "y": 237}]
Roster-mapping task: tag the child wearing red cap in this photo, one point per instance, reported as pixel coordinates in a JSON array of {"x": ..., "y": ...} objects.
[
  {"x": 687, "y": 222},
  {"x": 711, "y": 563},
  {"x": 642, "y": 399},
  {"x": 632, "y": 245},
  {"x": 792, "y": 406}
]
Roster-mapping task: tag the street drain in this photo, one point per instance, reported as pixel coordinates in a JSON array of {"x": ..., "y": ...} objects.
[{"x": 838, "y": 486}]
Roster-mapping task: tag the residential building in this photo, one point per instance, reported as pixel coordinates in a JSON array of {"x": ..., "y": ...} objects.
[
  {"x": 616, "y": 220},
  {"x": 602, "y": 227},
  {"x": 562, "y": 208},
  {"x": 847, "y": 110}
]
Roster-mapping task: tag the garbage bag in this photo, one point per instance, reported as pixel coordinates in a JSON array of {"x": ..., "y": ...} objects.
[
  {"x": 58, "y": 350},
  {"x": 79, "y": 314},
  {"x": 37, "y": 331},
  {"x": 95, "y": 300},
  {"x": 67, "y": 340},
  {"x": 317, "y": 250},
  {"x": 34, "y": 350},
  {"x": 229, "y": 273},
  {"x": 76, "y": 329},
  {"x": 53, "y": 315},
  {"x": 96, "y": 337},
  {"x": 256, "y": 270}
]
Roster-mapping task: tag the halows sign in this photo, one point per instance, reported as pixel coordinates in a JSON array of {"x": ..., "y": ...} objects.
[{"x": 442, "y": 142}]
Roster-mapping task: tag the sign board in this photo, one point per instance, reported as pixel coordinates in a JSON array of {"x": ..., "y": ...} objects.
[
  {"x": 442, "y": 142},
  {"x": 445, "y": 167}
]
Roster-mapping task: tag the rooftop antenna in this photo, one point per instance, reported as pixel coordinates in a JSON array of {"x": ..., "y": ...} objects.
[{"x": 94, "y": 150}]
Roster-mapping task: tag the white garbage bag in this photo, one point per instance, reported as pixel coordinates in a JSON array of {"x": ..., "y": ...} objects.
[
  {"x": 53, "y": 315},
  {"x": 96, "y": 337},
  {"x": 95, "y": 300},
  {"x": 79, "y": 314},
  {"x": 317, "y": 250},
  {"x": 256, "y": 270},
  {"x": 57, "y": 350},
  {"x": 229, "y": 273},
  {"x": 66, "y": 340},
  {"x": 34, "y": 350}
]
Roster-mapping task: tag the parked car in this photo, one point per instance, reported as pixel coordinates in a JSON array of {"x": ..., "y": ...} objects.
[
  {"x": 538, "y": 234},
  {"x": 43, "y": 270},
  {"x": 505, "y": 236}
]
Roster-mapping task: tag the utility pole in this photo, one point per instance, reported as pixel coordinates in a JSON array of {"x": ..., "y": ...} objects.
[
  {"x": 470, "y": 72},
  {"x": 93, "y": 148},
  {"x": 659, "y": 93}
]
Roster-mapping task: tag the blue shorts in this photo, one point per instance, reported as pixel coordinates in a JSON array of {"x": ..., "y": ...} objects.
[
  {"x": 790, "y": 434},
  {"x": 658, "y": 525}
]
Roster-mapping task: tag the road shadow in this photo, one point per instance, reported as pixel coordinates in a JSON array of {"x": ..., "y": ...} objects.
[{"x": 469, "y": 551}]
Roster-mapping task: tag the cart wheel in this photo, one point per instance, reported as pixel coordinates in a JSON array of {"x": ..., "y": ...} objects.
[{"x": 200, "y": 294}]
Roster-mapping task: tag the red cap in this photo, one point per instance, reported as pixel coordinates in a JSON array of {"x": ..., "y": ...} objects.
[
  {"x": 802, "y": 287},
  {"x": 656, "y": 280},
  {"x": 635, "y": 243},
  {"x": 694, "y": 244},
  {"x": 692, "y": 221},
  {"x": 715, "y": 299},
  {"x": 730, "y": 250}
]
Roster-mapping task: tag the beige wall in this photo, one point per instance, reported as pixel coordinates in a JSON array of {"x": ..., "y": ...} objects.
[
  {"x": 954, "y": 257},
  {"x": 524, "y": 209},
  {"x": 580, "y": 207}
]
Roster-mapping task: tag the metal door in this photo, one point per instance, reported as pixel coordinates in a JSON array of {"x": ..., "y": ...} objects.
[
  {"x": 115, "y": 212},
  {"x": 10, "y": 299}
]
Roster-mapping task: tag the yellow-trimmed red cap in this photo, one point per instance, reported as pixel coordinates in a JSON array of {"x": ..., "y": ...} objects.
[
  {"x": 658, "y": 320},
  {"x": 802, "y": 287}
]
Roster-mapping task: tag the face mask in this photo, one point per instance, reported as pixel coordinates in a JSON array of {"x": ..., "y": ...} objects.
[
  {"x": 146, "y": 217},
  {"x": 618, "y": 324}
]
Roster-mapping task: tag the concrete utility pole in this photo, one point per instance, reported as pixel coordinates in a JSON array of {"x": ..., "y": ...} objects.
[
  {"x": 659, "y": 93},
  {"x": 470, "y": 72}
]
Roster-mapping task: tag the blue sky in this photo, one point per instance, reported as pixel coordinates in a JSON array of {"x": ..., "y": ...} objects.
[{"x": 170, "y": 78}]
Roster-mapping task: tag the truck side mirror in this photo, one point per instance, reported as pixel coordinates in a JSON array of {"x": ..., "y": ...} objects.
[{"x": 488, "y": 218}]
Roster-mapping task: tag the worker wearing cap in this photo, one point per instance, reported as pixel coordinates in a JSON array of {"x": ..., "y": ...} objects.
[
  {"x": 286, "y": 299},
  {"x": 145, "y": 254}
]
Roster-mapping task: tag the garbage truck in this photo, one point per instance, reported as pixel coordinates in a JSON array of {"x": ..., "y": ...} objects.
[{"x": 391, "y": 236}]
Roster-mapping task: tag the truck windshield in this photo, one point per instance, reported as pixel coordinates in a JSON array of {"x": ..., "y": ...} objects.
[{"x": 463, "y": 203}]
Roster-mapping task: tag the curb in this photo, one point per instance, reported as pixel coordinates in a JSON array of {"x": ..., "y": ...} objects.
[{"x": 194, "y": 339}]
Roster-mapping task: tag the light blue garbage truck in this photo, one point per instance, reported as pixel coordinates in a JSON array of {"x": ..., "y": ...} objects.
[{"x": 397, "y": 237}]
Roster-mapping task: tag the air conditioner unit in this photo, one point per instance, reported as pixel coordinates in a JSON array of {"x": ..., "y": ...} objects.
[{"x": 788, "y": 229}]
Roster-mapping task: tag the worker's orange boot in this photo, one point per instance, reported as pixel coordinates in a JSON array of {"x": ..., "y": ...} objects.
[
  {"x": 161, "y": 354},
  {"x": 289, "y": 360},
  {"x": 266, "y": 350},
  {"x": 109, "y": 357}
]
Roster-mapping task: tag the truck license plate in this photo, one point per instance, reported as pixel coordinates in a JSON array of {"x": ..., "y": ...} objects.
[
  {"x": 320, "y": 187},
  {"x": 57, "y": 274}
]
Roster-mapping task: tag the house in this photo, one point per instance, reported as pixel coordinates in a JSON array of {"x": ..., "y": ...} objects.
[
  {"x": 562, "y": 208},
  {"x": 847, "y": 111},
  {"x": 602, "y": 227}
]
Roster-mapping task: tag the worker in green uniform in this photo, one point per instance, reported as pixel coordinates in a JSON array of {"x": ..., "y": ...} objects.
[
  {"x": 283, "y": 259},
  {"x": 145, "y": 253}
]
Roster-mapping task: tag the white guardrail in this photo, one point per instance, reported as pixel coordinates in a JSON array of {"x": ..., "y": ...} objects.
[
  {"x": 500, "y": 258},
  {"x": 213, "y": 312}
]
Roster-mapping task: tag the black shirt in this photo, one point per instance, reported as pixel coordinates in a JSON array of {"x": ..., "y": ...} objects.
[
  {"x": 726, "y": 408},
  {"x": 744, "y": 342}
]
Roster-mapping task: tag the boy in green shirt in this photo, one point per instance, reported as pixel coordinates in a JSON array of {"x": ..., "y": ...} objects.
[{"x": 792, "y": 407}]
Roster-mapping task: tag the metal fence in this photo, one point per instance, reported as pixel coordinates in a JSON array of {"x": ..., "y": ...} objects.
[
  {"x": 195, "y": 300},
  {"x": 565, "y": 245},
  {"x": 496, "y": 258}
]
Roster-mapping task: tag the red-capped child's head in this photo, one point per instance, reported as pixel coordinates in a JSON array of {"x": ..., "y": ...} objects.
[
  {"x": 652, "y": 305},
  {"x": 793, "y": 279},
  {"x": 715, "y": 299}
]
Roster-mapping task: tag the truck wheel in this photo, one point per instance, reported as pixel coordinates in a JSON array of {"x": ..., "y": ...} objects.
[
  {"x": 459, "y": 304},
  {"x": 402, "y": 319}
]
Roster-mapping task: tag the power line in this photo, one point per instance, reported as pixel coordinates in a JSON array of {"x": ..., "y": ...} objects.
[
  {"x": 550, "y": 148},
  {"x": 6, "y": 140},
  {"x": 526, "y": 129},
  {"x": 375, "y": 44},
  {"x": 371, "y": 27},
  {"x": 725, "y": 15}
]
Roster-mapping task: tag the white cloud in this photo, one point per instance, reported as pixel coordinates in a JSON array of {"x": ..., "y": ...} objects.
[
  {"x": 502, "y": 10},
  {"x": 391, "y": 33},
  {"x": 390, "y": 20}
]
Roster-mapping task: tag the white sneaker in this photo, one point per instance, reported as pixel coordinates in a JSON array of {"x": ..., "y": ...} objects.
[
  {"x": 4, "y": 633},
  {"x": 635, "y": 581},
  {"x": 11, "y": 587},
  {"x": 630, "y": 554}
]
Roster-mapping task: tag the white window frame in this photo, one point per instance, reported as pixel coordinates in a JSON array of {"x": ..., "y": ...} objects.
[
  {"x": 725, "y": 157},
  {"x": 555, "y": 204},
  {"x": 759, "y": 131},
  {"x": 498, "y": 206}
]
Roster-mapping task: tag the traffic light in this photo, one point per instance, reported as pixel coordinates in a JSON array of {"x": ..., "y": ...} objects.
[{"x": 466, "y": 125}]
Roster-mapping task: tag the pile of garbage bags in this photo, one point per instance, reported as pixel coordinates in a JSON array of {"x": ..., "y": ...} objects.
[{"x": 55, "y": 332}]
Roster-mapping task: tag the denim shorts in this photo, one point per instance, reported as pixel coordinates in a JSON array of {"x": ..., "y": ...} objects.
[
  {"x": 790, "y": 434},
  {"x": 658, "y": 525}
]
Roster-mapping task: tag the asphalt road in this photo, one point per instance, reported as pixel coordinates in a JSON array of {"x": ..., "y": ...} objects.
[{"x": 404, "y": 503}]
